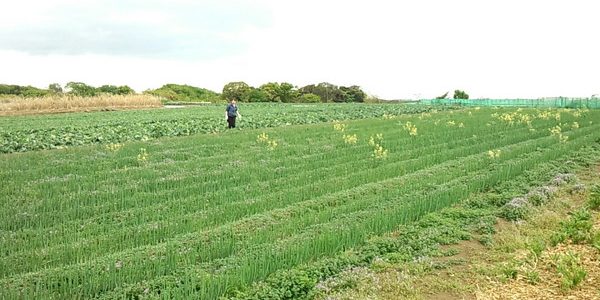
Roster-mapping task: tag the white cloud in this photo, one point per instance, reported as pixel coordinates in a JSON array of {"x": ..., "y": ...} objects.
[{"x": 394, "y": 49}]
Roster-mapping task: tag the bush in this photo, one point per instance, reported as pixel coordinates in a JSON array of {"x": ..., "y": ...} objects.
[
  {"x": 458, "y": 94},
  {"x": 562, "y": 179},
  {"x": 537, "y": 197},
  {"x": 185, "y": 93},
  {"x": 516, "y": 209},
  {"x": 549, "y": 191},
  {"x": 309, "y": 98}
]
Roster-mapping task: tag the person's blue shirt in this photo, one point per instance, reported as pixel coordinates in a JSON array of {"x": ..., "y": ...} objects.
[{"x": 231, "y": 110}]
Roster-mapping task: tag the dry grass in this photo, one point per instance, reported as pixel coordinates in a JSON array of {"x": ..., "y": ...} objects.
[
  {"x": 59, "y": 104},
  {"x": 549, "y": 281}
]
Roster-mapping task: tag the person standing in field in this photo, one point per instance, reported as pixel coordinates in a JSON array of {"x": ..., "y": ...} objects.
[{"x": 231, "y": 112}]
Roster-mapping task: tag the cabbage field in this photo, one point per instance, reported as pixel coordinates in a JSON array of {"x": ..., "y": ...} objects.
[
  {"x": 26, "y": 133},
  {"x": 216, "y": 213}
]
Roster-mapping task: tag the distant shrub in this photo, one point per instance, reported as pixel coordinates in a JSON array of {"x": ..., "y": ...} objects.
[
  {"x": 184, "y": 93},
  {"x": 309, "y": 98}
]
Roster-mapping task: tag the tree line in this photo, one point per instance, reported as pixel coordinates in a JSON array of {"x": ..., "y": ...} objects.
[
  {"x": 240, "y": 91},
  {"x": 286, "y": 92},
  {"x": 71, "y": 88}
]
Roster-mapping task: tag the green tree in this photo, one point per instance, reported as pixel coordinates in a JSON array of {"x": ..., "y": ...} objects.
[
  {"x": 309, "y": 98},
  {"x": 125, "y": 90},
  {"x": 353, "y": 94},
  {"x": 184, "y": 93},
  {"x": 237, "y": 90},
  {"x": 10, "y": 89},
  {"x": 327, "y": 91},
  {"x": 30, "y": 91},
  {"x": 287, "y": 92},
  {"x": 271, "y": 90},
  {"x": 55, "y": 88},
  {"x": 280, "y": 92},
  {"x": 257, "y": 95},
  {"x": 116, "y": 90},
  {"x": 458, "y": 94},
  {"x": 81, "y": 89},
  {"x": 25, "y": 91}
]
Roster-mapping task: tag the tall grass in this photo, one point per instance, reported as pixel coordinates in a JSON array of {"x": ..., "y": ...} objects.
[{"x": 56, "y": 104}]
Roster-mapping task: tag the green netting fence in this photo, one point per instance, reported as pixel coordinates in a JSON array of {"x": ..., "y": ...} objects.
[{"x": 547, "y": 103}]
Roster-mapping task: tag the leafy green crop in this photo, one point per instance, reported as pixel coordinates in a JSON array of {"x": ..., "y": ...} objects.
[
  {"x": 202, "y": 216},
  {"x": 27, "y": 133}
]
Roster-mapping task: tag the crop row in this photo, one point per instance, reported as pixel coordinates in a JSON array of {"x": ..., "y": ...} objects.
[
  {"x": 97, "y": 230},
  {"x": 21, "y": 134}
]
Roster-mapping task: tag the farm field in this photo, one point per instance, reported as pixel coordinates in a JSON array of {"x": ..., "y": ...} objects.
[
  {"x": 210, "y": 215},
  {"x": 38, "y": 132}
]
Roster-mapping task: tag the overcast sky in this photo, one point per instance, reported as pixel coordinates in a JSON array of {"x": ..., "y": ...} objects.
[{"x": 392, "y": 49}]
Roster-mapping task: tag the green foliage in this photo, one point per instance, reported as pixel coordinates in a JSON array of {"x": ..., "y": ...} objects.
[
  {"x": 517, "y": 209},
  {"x": 30, "y": 91},
  {"x": 327, "y": 91},
  {"x": 594, "y": 198},
  {"x": 295, "y": 216},
  {"x": 458, "y": 94},
  {"x": 509, "y": 271},
  {"x": 533, "y": 277},
  {"x": 309, "y": 98},
  {"x": 258, "y": 95},
  {"x": 596, "y": 240},
  {"x": 409, "y": 243},
  {"x": 569, "y": 267},
  {"x": 184, "y": 93},
  {"x": 10, "y": 89},
  {"x": 271, "y": 90},
  {"x": 237, "y": 90},
  {"x": 332, "y": 93},
  {"x": 25, "y": 91},
  {"x": 75, "y": 129},
  {"x": 280, "y": 92},
  {"x": 116, "y": 90},
  {"x": 486, "y": 240},
  {"x": 353, "y": 94},
  {"x": 578, "y": 228},
  {"x": 81, "y": 89},
  {"x": 287, "y": 92},
  {"x": 55, "y": 88},
  {"x": 537, "y": 246}
]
